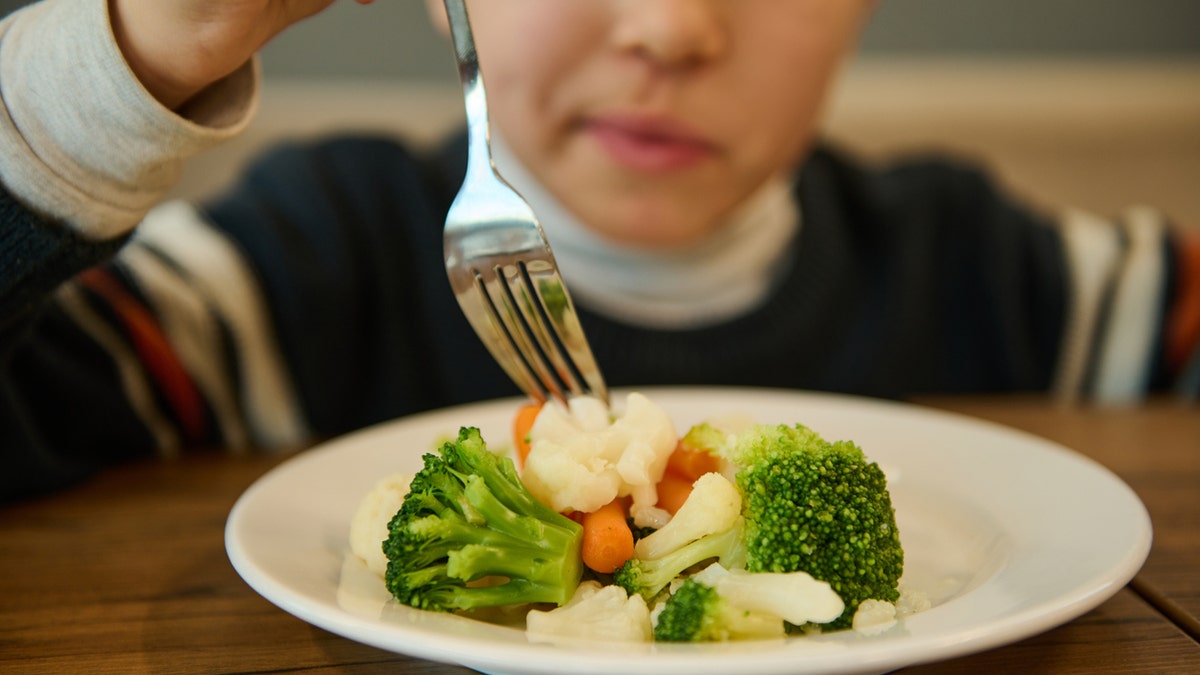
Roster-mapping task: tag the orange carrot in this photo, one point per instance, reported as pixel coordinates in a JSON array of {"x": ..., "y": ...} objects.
[
  {"x": 523, "y": 422},
  {"x": 673, "y": 491},
  {"x": 691, "y": 463},
  {"x": 607, "y": 539}
]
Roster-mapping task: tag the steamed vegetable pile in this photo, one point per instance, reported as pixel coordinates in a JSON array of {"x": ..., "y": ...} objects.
[{"x": 617, "y": 528}]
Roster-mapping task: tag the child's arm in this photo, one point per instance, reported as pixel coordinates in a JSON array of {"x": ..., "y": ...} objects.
[
  {"x": 87, "y": 375},
  {"x": 103, "y": 101}
]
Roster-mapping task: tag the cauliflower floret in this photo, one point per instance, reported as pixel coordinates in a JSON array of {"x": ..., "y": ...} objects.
[
  {"x": 369, "y": 526},
  {"x": 643, "y": 510},
  {"x": 911, "y": 602},
  {"x": 595, "y": 612},
  {"x": 874, "y": 617},
  {"x": 713, "y": 506},
  {"x": 580, "y": 460},
  {"x": 795, "y": 597}
]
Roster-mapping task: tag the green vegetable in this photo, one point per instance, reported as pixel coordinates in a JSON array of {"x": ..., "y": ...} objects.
[
  {"x": 818, "y": 507},
  {"x": 808, "y": 505},
  {"x": 704, "y": 437},
  {"x": 469, "y": 535},
  {"x": 649, "y": 577},
  {"x": 696, "y": 612}
]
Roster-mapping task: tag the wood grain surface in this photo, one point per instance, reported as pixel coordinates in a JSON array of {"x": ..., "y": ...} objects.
[{"x": 128, "y": 574}]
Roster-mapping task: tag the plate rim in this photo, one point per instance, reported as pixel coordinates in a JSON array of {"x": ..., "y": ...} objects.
[{"x": 877, "y": 656}]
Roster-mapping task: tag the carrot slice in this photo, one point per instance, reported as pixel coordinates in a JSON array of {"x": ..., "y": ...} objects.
[
  {"x": 673, "y": 491},
  {"x": 522, "y": 423},
  {"x": 691, "y": 463},
  {"x": 607, "y": 539}
]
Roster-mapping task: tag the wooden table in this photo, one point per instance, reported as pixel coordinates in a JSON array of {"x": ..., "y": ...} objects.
[{"x": 128, "y": 574}]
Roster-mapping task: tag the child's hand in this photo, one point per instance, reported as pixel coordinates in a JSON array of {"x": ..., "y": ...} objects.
[{"x": 178, "y": 47}]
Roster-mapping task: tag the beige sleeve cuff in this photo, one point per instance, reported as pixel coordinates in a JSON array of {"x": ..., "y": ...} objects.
[{"x": 80, "y": 139}]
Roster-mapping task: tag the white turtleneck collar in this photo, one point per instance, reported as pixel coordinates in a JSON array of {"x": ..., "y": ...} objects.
[{"x": 724, "y": 276}]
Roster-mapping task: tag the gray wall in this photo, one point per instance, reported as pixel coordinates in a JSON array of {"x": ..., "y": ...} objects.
[
  {"x": 1077, "y": 28},
  {"x": 392, "y": 37}
]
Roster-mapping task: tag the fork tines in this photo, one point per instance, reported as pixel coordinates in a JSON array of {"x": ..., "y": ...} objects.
[
  {"x": 500, "y": 265},
  {"x": 529, "y": 305}
]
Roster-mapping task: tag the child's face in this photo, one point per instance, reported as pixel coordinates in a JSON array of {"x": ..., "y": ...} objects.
[{"x": 652, "y": 120}]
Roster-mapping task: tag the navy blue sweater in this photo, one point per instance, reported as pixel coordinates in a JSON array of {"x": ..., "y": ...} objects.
[{"x": 911, "y": 279}]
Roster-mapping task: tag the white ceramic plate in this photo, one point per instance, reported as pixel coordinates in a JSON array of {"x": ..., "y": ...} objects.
[{"x": 1009, "y": 534}]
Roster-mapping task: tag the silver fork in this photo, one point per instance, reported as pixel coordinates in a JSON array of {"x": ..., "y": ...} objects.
[{"x": 500, "y": 265}]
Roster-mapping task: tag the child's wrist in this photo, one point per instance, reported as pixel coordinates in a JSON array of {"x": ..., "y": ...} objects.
[{"x": 161, "y": 64}]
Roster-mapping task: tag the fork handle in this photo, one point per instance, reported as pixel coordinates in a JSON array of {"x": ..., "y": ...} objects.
[{"x": 474, "y": 95}]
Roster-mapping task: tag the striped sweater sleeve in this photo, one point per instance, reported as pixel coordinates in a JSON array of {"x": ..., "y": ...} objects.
[
  {"x": 164, "y": 346},
  {"x": 107, "y": 355},
  {"x": 1133, "y": 322},
  {"x": 1181, "y": 329},
  {"x": 209, "y": 308}
]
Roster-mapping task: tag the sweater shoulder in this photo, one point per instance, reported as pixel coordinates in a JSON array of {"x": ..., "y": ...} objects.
[
  {"x": 325, "y": 193},
  {"x": 933, "y": 184}
]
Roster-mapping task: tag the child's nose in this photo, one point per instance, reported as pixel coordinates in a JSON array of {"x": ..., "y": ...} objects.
[{"x": 672, "y": 33}]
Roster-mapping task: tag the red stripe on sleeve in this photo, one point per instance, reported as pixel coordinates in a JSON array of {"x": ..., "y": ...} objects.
[
  {"x": 154, "y": 350},
  {"x": 1183, "y": 319}
]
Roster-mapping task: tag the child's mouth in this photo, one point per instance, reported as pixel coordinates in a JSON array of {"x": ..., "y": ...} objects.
[{"x": 648, "y": 144}]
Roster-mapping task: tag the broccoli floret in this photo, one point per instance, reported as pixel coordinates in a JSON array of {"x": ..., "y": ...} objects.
[
  {"x": 720, "y": 604},
  {"x": 707, "y": 525},
  {"x": 704, "y": 436},
  {"x": 469, "y": 535},
  {"x": 696, "y": 612},
  {"x": 818, "y": 507},
  {"x": 649, "y": 577}
]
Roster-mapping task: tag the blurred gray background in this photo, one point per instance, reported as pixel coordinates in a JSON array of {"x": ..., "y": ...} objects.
[
  {"x": 1090, "y": 103},
  {"x": 393, "y": 39}
]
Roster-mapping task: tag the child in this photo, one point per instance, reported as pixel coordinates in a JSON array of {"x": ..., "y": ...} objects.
[{"x": 667, "y": 146}]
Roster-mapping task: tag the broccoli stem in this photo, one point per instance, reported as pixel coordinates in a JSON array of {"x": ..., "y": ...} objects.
[
  {"x": 649, "y": 577},
  {"x": 469, "y": 535}
]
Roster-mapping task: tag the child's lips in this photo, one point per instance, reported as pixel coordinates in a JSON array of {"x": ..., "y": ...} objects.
[{"x": 645, "y": 143}]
